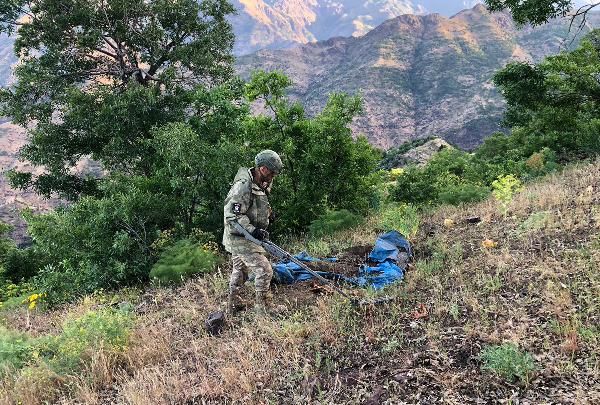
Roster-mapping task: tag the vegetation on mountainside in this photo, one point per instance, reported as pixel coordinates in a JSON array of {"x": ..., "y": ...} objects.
[
  {"x": 516, "y": 320},
  {"x": 513, "y": 292},
  {"x": 554, "y": 116},
  {"x": 156, "y": 105}
]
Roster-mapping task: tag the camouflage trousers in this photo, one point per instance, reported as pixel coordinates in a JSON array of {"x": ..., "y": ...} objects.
[{"x": 256, "y": 263}]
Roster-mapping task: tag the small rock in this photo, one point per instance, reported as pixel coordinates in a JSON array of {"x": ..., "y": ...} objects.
[{"x": 214, "y": 323}]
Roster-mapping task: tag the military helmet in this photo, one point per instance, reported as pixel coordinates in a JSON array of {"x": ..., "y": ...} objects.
[{"x": 270, "y": 159}]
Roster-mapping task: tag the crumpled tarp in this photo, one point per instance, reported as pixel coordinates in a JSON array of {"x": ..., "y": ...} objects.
[{"x": 389, "y": 257}]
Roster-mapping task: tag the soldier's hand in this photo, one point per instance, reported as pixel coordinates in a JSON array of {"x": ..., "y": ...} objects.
[
  {"x": 260, "y": 234},
  {"x": 272, "y": 217}
]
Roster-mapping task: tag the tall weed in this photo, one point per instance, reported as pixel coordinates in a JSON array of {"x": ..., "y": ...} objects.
[{"x": 403, "y": 218}]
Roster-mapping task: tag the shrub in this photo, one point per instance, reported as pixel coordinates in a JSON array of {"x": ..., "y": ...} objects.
[
  {"x": 182, "y": 260},
  {"x": 333, "y": 221},
  {"x": 22, "y": 264},
  {"x": 15, "y": 349},
  {"x": 504, "y": 189},
  {"x": 403, "y": 218},
  {"x": 508, "y": 361},
  {"x": 64, "y": 281},
  {"x": 415, "y": 186},
  {"x": 105, "y": 328},
  {"x": 463, "y": 193}
]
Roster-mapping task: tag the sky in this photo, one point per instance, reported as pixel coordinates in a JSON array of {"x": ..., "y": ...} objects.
[{"x": 451, "y": 7}]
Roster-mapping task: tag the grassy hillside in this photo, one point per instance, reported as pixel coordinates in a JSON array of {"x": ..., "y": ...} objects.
[{"x": 506, "y": 309}]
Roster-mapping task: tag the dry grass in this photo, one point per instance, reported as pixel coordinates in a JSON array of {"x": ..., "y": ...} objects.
[{"x": 538, "y": 288}]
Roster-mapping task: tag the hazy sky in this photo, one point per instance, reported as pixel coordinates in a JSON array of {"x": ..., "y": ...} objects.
[{"x": 451, "y": 7}]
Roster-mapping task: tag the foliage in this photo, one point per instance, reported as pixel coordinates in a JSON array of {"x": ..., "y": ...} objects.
[
  {"x": 96, "y": 76},
  {"x": 194, "y": 158},
  {"x": 324, "y": 167},
  {"x": 15, "y": 349},
  {"x": 505, "y": 187},
  {"x": 22, "y": 264},
  {"x": 403, "y": 218},
  {"x": 7, "y": 245},
  {"x": 393, "y": 157},
  {"x": 113, "y": 233},
  {"x": 554, "y": 104},
  {"x": 184, "y": 259},
  {"x": 461, "y": 193},
  {"x": 536, "y": 12},
  {"x": 508, "y": 361},
  {"x": 333, "y": 221},
  {"x": 105, "y": 328},
  {"x": 450, "y": 177}
]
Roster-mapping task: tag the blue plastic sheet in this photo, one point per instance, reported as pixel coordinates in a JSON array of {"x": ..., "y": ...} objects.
[{"x": 390, "y": 250}]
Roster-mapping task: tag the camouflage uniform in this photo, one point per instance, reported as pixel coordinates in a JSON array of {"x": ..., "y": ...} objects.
[{"x": 248, "y": 204}]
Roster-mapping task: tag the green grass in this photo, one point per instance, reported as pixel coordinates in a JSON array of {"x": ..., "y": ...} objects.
[{"x": 507, "y": 361}]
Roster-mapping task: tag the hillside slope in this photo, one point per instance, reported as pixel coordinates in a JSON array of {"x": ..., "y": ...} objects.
[
  {"x": 419, "y": 75},
  {"x": 536, "y": 289}
]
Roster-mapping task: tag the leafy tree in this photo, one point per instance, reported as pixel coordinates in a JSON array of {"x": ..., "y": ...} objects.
[
  {"x": 195, "y": 159},
  {"x": 97, "y": 75},
  {"x": 324, "y": 167},
  {"x": 555, "y": 104},
  {"x": 537, "y": 12}
]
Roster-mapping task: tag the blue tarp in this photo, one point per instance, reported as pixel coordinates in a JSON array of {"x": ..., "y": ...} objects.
[{"x": 388, "y": 249}]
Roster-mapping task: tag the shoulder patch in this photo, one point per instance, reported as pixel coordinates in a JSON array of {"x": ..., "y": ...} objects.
[{"x": 236, "y": 208}]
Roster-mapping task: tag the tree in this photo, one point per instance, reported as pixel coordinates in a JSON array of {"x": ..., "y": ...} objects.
[
  {"x": 324, "y": 166},
  {"x": 97, "y": 75},
  {"x": 556, "y": 103},
  {"x": 537, "y": 12}
]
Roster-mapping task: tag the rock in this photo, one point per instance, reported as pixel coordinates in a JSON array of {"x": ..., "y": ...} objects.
[{"x": 214, "y": 323}]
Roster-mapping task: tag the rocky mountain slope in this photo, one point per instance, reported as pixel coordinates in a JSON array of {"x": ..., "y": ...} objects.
[
  {"x": 419, "y": 75},
  {"x": 12, "y": 202}
]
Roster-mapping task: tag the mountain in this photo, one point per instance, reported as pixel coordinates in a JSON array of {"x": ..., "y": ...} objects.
[
  {"x": 278, "y": 24},
  {"x": 419, "y": 75}
]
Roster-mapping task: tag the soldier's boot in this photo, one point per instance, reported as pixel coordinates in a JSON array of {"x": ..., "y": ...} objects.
[
  {"x": 234, "y": 301},
  {"x": 261, "y": 305}
]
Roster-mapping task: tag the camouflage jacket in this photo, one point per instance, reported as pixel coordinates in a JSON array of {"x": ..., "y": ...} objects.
[{"x": 248, "y": 204}]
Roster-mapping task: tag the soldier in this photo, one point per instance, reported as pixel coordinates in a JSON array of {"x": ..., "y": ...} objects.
[{"x": 247, "y": 203}]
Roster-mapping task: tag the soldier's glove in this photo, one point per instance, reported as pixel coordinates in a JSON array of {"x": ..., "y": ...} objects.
[
  {"x": 260, "y": 234},
  {"x": 272, "y": 217}
]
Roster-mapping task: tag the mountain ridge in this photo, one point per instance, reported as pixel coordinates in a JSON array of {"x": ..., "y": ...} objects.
[{"x": 419, "y": 75}]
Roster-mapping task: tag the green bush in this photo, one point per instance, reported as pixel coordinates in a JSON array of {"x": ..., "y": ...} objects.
[
  {"x": 415, "y": 186},
  {"x": 463, "y": 193},
  {"x": 15, "y": 349},
  {"x": 333, "y": 221},
  {"x": 63, "y": 282},
  {"x": 182, "y": 260},
  {"x": 508, "y": 361},
  {"x": 102, "y": 242},
  {"x": 105, "y": 328},
  {"x": 22, "y": 264},
  {"x": 403, "y": 218}
]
